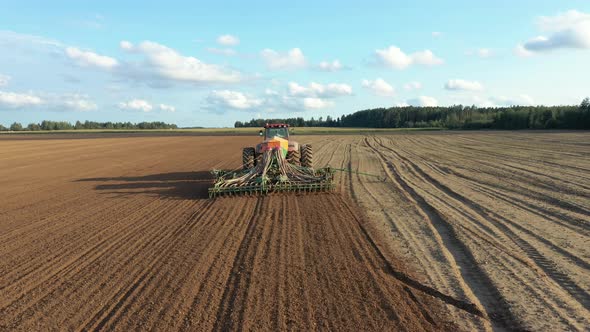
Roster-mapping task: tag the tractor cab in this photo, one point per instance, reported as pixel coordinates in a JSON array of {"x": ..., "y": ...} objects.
[{"x": 275, "y": 130}]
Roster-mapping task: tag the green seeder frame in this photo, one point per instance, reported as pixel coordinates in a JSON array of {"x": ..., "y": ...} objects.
[{"x": 263, "y": 189}]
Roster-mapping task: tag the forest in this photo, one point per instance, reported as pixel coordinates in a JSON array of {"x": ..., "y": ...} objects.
[
  {"x": 64, "y": 125},
  {"x": 451, "y": 117}
]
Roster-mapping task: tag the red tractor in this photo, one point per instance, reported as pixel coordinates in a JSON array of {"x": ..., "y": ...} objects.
[{"x": 276, "y": 137}]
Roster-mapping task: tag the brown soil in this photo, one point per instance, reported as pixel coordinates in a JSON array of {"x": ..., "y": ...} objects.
[
  {"x": 117, "y": 234},
  {"x": 461, "y": 230},
  {"x": 498, "y": 219}
]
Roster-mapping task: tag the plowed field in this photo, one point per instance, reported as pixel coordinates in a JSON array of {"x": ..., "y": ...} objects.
[{"x": 458, "y": 231}]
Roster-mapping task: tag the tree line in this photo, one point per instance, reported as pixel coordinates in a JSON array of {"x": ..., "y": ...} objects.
[
  {"x": 451, "y": 117},
  {"x": 64, "y": 125}
]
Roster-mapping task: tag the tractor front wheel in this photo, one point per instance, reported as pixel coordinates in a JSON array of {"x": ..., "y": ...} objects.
[{"x": 248, "y": 158}]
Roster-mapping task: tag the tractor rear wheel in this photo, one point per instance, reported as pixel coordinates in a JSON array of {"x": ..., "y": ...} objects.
[
  {"x": 306, "y": 156},
  {"x": 293, "y": 157},
  {"x": 248, "y": 158}
]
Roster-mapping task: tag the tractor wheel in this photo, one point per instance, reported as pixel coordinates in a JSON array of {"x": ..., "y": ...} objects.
[
  {"x": 248, "y": 158},
  {"x": 293, "y": 157},
  {"x": 306, "y": 156}
]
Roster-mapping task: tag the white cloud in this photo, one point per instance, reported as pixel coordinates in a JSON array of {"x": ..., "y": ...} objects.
[
  {"x": 164, "y": 63},
  {"x": 413, "y": 86},
  {"x": 270, "y": 92},
  {"x": 18, "y": 100},
  {"x": 47, "y": 101},
  {"x": 521, "y": 100},
  {"x": 436, "y": 34},
  {"x": 167, "y": 108},
  {"x": 75, "y": 102},
  {"x": 136, "y": 105},
  {"x": 464, "y": 85},
  {"x": 90, "y": 59},
  {"x": 394, "y": 57},
  {"x": 319, "y": 90},
  {"x": 423, "y": 101},
  {"x": 296, "y": 98},
  {"x": 563, "y": 21},
  {"x": 316, "y": 103},
  {"x": 426, "y": 58},
  {"x": 495, "y": 101},
  {"x": 228, "y": 40},
  {"x": 294, "y": 104},
  {"x": 125, "y": 45},
  {"x": 334, "y": 65},
  {"x": 315, "y": 96},
  {"x": 379, "y": 87},
  {"x": 227, "y": 99},
  {"x": 4, "y": 79},
  {"x": 522, "y": 52},
  {"x": 481, "y": 52},
  {"x": 293, "y": 59},
  {"x": 566, "y": 30},
  {"x": 221, "y": 51},
  {"x": 12, "y": 39}
]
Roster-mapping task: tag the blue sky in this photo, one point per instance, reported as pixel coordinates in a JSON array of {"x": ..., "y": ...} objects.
[{"x": 212, "y": 63}]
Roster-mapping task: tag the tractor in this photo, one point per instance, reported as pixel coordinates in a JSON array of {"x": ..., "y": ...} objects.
[
  {"x": 278, "y": 164},
  {"x": 276, "y": 136}
]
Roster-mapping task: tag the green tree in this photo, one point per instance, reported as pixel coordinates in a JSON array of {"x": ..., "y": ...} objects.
[
  {"x": 34, "y": 127},
  {"x": 16, "y": 126}
]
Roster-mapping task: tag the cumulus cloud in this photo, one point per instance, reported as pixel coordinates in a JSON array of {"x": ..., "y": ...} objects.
[
  {"x": 296, "y": 104},
  {"x": 318, "y": 90},
  {"x": 125, "y": 45},
  {"x": 164, "y": 63},
  {"x": 4, "y": 79},
  {"x": 481, "y": 52},
  {"x": 228, "y": 40},
  {"x": 565, "y": 30},
  {"x": 18, "y": 100},
  {"x": 220, "y": 100},
  {"x": 379, "y": 87},
  {"x": 315, "y": 96},
  {"x": 46, "y": 101},
  {"x": 413, "y": 86},
  {"x": 316, "y": 103},
  {"x": 423, "y": 101},
  {"x": 436, "y": 34},
  {"x": 136, "y": 105},
  {"x": 167, "y": 108},
  {"x": 563, "y": 21},
  {"x": 293, "y": 59},
  {"x": 331, "y": 66},
  {"x": 90, "y": 59},
  {"x": 521, "y": 100},
  {"x": 463, "y": 85},
  {"x": 76, "y": 102},
  {"x": 394, "y": 57},
  {"x": 295, "y": 98},
  {"x": 522, "y": 52},
  {"x": 15, "y": 39}
]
